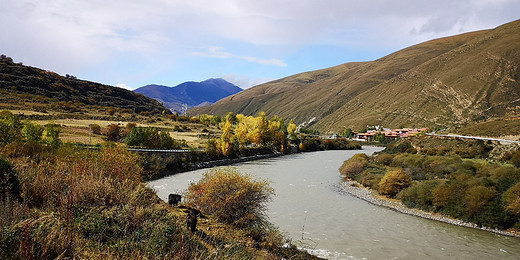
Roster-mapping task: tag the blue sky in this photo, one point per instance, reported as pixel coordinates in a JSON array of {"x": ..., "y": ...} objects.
[{"x": 131, "y": 43}]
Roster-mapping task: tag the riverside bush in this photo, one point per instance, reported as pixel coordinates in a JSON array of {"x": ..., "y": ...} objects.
[
  {"x": 231, "y": 197},
  {"x": 393, "y": 182}
]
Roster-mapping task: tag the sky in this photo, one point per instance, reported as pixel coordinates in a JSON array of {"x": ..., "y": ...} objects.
[{"x": 132, "y": 43}]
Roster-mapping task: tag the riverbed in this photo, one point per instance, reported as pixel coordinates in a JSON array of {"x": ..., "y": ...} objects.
[{"x": 313, "y": 210}]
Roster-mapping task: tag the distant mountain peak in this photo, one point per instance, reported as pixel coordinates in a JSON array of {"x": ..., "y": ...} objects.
[{"x": 191, "y": 93}]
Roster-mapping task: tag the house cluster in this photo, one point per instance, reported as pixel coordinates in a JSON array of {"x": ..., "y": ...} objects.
[{"x": 390, "y": 134}]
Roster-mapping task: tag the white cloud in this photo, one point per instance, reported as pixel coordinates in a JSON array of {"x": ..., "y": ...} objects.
[
  {"x": 123, "y": 85},
  {"x": 218, "y": 52},
  {"x": 243, "y": 81}
]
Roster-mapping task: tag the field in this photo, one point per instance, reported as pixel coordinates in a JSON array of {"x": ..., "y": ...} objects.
[{"x": 75, "y": 128}]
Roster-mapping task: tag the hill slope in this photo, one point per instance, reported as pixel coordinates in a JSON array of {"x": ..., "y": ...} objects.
[
  {"x": 440, "y": 83},
  {"x": 17, "y": 79},
  {"x": 190, "y": 93}
]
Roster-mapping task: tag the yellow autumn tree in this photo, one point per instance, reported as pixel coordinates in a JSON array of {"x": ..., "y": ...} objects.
[{"x": 291, "y": 129}]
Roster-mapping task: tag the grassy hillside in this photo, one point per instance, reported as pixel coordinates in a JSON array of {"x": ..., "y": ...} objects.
[
  {"x": 28, "y": 87},
  {"x": 440, "y": 83}
]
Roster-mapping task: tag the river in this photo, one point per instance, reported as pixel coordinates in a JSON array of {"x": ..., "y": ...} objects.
[{"x": 311, "y": 209}]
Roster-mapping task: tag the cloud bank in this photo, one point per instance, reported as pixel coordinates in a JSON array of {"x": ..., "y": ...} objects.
[{"x": 102, "y": 38}]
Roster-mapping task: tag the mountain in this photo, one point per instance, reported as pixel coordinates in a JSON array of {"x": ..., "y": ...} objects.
[
  {"x": 190, "y": 93},
  {"x": 19, "y": 82},
  {"x": 445, "y": 82}
]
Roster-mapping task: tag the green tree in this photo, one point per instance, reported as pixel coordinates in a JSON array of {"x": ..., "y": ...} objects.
[
  {"x": 10, "y": 127},
  {"x": 393, "y": 182},
  {"x": 32, "y": 132},
  {"x": 231, "y": 197},
  {"x": 52, "y": 134},
  {"x": 348, "y": 133},
  {"x": 380, "y": 137}
]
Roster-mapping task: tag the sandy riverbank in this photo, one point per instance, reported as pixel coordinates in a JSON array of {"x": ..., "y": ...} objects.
[{"x": 357, "y": 190}]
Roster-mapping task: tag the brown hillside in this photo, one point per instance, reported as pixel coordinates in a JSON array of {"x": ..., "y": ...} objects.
[
  {"x": 443, "y": 82},
  {"x": 23, "y": 86}
]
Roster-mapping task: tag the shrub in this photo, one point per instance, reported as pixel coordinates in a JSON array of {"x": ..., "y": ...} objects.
[
  {"x": 384, "y": 158},
  {"x": 9, "y": 183},
  {"x": 477, "y": 197},
  {"x": 419, "y": 195},
  {"x": 393, "y": 182},
  {"x": 231, "y": 197},
  {"x": 354, "y": 166},
  {"x": 10, "y": 127},
  {"x": 32, "y": 132},
  {"x": 96, "y": 129},
  {"x": 113, "y": 133},
  {"x": 370, "y": 179},
  {"x": 52, "y": 133},
  {"x": 512, "y": 199},
  {"x": 402, "y": 147}
]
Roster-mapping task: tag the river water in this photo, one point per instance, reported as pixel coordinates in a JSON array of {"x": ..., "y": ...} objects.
[{"x": 311, "y": 209}]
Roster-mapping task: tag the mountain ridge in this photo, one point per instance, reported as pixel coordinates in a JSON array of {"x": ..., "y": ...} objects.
[
  {"x": 443, "y": 82},
  {"x": 190, "y": 93},
  {"x": 34, "y": 83}
]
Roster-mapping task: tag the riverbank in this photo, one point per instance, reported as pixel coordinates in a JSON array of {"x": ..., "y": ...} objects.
[{"x": 357, "y": 190}]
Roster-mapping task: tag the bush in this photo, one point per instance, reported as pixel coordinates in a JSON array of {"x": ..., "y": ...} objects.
[
  {"x": 512, "y": 199},
  {"x": 354, "y": 166},
  {"x": 10, "y": 127},
  {"x": 52, "y": 133},
  {"x": 393, "y": 182},
  {"x": 9, "y": 183},
  {"x": 419, "y": 195},
  {"x": 113, "y": 133},
  {"x": 32, "y": 132},
  {"x": 96, "y": 129},
  {"x": 231, "y": 197}
]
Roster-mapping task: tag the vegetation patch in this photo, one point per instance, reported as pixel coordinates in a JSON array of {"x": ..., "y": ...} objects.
[{"x": 451, "y": 183}]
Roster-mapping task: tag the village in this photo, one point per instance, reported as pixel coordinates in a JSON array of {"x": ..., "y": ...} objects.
[{"x": 390, "y": 134}]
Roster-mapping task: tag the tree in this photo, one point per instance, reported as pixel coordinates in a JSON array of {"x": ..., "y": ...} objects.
[
  {"x": 227, "y": 135},
  {"x": 150, "y": 137},
  {"x": 380, "y": 137},
  {"x": 32, "y": 132},
  {"x": 231, "y": 197},
  {"x": 348, "y": 133},
  {"x": 477, "y": 197},
  {"x": 10, "y": 127},
  {"x": 52, "y": 133},
  {"x": 113, "y": 133},
  {"x": 393, "y": 182},
  {"x": 291, "y": 129}
]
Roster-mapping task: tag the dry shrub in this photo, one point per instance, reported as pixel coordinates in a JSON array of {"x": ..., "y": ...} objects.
[
  {"x": 231, "y": 197},
  {"x": 354, "y": 166}
]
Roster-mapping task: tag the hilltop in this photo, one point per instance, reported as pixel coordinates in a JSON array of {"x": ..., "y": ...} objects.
[
  {"x": 190, "y": 93},
  {"x": 25, "y": 87},
  {"x": 446, "y": 82}
]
